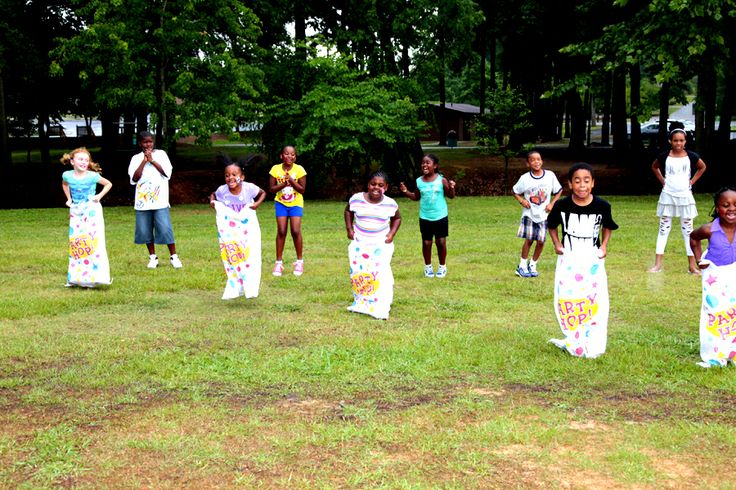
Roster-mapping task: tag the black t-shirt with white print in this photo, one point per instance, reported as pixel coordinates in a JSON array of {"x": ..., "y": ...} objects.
[{"x": 581, "y": 225}]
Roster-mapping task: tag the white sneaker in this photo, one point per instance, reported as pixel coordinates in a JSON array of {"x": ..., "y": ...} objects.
[
  {"x": 175, "y": 262},
  {"x": 298, "y": 268},
  {"x": 428, "y": 270},
  {"x": 152, "y": 262},
  {"x": 278, "y": 268},
  {"x": 441, "y": 271}
]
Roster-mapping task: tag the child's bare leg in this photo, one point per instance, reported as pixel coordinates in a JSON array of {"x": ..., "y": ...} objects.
[
  {"x": 525, "y": 249},
  {"x": 441, "y": 249},
  {"x": 172, "y": 248},
  {"x": 296, "y": 235},
  {"x": 657, "y": 263},
  {"x": 281, "y": 224},
  {"x": 537, "y": 251},
  {"x": 151, "y": 248},
  {"x": 427, "y": 251}
]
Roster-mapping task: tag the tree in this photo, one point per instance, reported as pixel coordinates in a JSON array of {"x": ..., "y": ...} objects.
[
  {"x": 348, "y": 123},
  {"x": 193, "y": 73}
]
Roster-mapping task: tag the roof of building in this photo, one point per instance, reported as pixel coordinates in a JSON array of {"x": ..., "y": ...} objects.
[{"x": 464, "y": 108}]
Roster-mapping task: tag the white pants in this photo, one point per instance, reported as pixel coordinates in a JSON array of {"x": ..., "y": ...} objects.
[{"x": 665, "y": 225}]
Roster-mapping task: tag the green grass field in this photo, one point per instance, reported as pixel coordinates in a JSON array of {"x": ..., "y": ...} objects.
[{"x": 157, "y": 383}]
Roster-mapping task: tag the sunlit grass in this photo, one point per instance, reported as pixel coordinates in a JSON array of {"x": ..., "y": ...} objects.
[{"x": 458, "y": 389}]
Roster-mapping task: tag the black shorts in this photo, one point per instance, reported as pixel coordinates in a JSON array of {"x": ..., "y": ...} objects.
[{"x": 433, "y": 229}]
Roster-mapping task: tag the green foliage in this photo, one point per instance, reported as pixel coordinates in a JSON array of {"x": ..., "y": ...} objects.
[
  {"x": 509, "y": 115},
  {"x": 347, "y": 122}
]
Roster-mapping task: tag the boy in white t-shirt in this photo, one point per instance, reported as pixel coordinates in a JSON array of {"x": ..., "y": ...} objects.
[
  {"x": 537, "y": 191},
  {"x": 150, "y": 171}
]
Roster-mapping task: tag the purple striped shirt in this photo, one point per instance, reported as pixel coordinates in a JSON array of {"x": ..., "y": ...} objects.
[{"x": 371, "y": 222}]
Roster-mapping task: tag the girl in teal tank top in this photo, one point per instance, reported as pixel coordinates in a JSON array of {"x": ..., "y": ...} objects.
[{"x": 432, "y": 188}]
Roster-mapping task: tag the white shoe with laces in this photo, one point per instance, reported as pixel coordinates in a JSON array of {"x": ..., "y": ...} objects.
[
  {"x": 175, "y": 262},
  {"x": 152, "y": 262}
]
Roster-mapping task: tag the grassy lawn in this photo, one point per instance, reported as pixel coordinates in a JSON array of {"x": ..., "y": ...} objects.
[{"x": 157, "y": 383}]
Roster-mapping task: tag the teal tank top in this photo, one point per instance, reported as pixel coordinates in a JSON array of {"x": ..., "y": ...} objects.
[{"x": 432, "y": 203}]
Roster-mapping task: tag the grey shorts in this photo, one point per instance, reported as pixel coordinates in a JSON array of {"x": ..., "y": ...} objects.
[{"x": 153, "y": 226}]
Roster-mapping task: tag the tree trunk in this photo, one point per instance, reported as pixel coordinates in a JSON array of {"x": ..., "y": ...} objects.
[
  {"x": 618, "y": 111},
  {"x": 5, "y": 154},
  {"x": 664, "y": 114},
  {"x": 635, "y": 83},
  {"x": 723, "y": 135},
  {"x": 43, "y": 138},
  {"x": 443, "y": 89},
  {"x": 483, "y": 53},
  {"x": 708, "y": 76},
  {"x": 606, "y": 123},
  {"x": 576, "y": 111}
]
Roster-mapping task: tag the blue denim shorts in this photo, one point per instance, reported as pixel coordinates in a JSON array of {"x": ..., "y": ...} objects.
[
  {"x": 154, "y": 226},
  {"x": 288, "y": 211}
]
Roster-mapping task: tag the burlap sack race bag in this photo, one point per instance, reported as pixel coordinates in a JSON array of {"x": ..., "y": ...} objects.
[
  {"x": 88, "y": 263},
  {"x": 581, "y": 303},
  {"x": 240, "y": 250},
  {"x": 371, "y": 278},
  {"x": 718, "y": 316}
]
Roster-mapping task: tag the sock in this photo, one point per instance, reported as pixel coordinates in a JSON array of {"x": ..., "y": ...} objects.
[
  {"x": 173, "y": 256},
  {"x": 522, "y": 263},
  {"x": 532, "y": 264},
  {"x": 152, "y": 256},
  {"x": 279, "y": 261},
  {"x": 299, "y": 261}
]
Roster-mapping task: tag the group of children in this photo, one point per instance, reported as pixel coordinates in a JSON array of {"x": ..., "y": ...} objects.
[{"x": 372, "y": 220}]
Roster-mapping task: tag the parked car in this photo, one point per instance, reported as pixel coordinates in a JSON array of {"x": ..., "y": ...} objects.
[{"x": 652, "y": 128}]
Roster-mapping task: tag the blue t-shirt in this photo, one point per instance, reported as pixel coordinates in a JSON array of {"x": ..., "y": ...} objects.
[
  {"x": 432, "y": 204},
  {"x": 81, "y": 189}
]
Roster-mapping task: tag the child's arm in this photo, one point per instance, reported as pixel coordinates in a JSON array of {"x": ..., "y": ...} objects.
[
  {"x": 107, "y": 185},
  {"x": 559, "y": 249},
  {"x": 523, "y": 201},
  {"x": 698, "y": 173},
  {"x": 657, "y": 171},
  {"x": 696, "y": 238},
  {"x": 67, "y": 193},
  {"x": 552, "y": 202},
  {"x": 449, "y": 186},
  {"x": 213, "y": 200},
  {"x": 259, "y": 199},
  {"x": 395, "y": 223},
  {"x": 605, "y": 236},
  {"x": 349, "y": 222},
  {"x": 299, "y": 185},
  {"x": 414, "y": 196}
]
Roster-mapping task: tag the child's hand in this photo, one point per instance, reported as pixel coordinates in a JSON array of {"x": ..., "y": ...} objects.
[
  {"x": 548, "y": 207},
  {"x": 559, "y": 250},
  {"x": 451, "y": 183},
  {"x": 69, "y": 203},
  {"x": 351, "y": 234},
  {"x": 525, "y": 204},
  {"x": 402, "y": 187},
  {"x": 389, "y": 238},
  {"x": 254, "y": 206},
  {"x": 212, "y": 204},
  {"x": 96, "y": 198},
  {"x": 602, "y": 252}
]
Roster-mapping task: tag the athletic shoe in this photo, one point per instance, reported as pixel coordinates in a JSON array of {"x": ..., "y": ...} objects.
[
  {"x": 533, "y": 271},
  {"x": 175, "y": 262},
  {"x": 441, "y": 271},
  {"x": 521, "y": 272},
  {"x": 298, "y": 268},
  {"x": 152, "y": 262},
  {"x": 278, "y": 268},
  {"x": 428, "y": 271}
]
